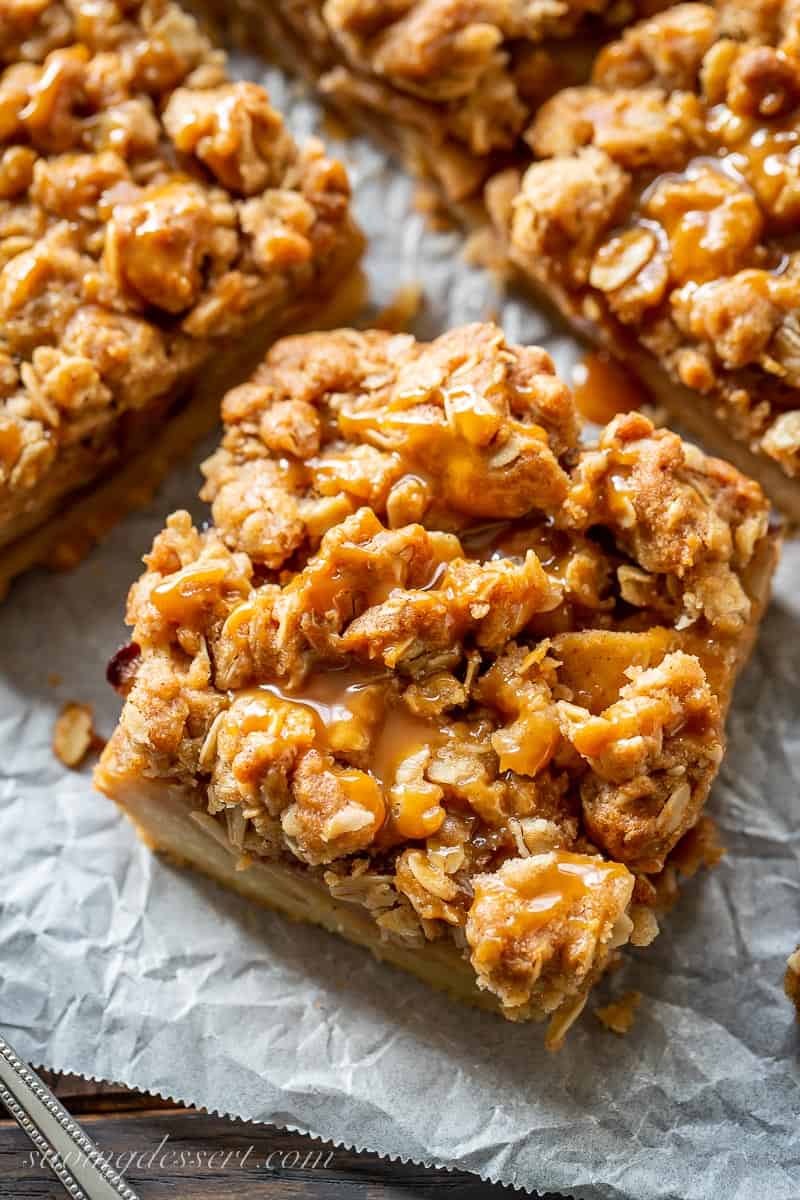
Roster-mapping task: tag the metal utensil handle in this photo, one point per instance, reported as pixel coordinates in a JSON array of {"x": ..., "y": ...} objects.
[{"x": 69, "y": 1153}]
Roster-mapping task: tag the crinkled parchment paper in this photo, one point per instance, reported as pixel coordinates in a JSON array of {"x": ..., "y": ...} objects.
[{"x": 116, "y": 965}]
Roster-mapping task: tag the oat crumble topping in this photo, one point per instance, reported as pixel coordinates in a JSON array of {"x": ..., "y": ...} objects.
[{"x": 433, "y": 652}]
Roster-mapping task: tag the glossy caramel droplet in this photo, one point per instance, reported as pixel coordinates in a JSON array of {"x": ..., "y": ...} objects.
[
  {"x": 238, "y": 623},
  {"x": 558, "y": 889},
  {"x": 347, "y": 705},
  {"x": 602, "y": 388},
  {"x": 183, "y": 592}
]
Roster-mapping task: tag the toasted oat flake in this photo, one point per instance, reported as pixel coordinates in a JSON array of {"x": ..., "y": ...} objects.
[{"x": 73, "y": 733}]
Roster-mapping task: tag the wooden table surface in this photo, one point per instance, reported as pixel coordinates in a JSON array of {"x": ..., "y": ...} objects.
[{"x": 171, "y": 1153}]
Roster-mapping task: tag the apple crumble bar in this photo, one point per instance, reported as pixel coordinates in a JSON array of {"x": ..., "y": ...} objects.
[
  {"x": 436, "y": 676},
  {"x": 155, "y": 217},
  {"x": 660, "y": 216}
]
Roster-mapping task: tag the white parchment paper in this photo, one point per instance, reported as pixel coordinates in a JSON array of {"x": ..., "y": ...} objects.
[{"x": 115, "y": 965}]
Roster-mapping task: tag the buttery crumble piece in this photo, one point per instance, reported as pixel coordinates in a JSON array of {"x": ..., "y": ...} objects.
[
  {"x": 620, "y": 1014},
  {"x": 451, "y": 676},
  {"x": 153, "y": 216}
]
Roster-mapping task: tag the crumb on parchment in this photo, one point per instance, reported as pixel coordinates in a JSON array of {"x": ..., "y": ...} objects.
[
  {"x": 791, "y": 980},
  {"x": 620, "y": 1014},
  {"x": 74, "y": 735}
]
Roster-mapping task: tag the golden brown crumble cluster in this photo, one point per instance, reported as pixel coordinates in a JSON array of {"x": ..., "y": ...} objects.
[
  {"x": 458, "y": 79},
  {"x": 148, "y": 206},
  {"x": 662, "y": 206},
  {"x": 464, "y": 671}
]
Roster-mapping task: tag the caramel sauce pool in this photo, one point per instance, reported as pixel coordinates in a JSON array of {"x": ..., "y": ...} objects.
[
  {"x": 357, "y": 716},
  {"x": 355, "y": 711},
  {"x": 602, "y": 388}
]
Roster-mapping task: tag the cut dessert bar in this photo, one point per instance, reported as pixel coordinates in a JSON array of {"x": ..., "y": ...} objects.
[
  {"x": 661, "y": 218},
  {"x": 659, "y": 215},
  {"x": 436, "y": 676},
  {"x": 156, "y": 220}
]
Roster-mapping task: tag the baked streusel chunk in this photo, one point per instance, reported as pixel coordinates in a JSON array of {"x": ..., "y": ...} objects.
[
  {"x": 437, "y": 676},
  {"x": 154, "y": 216}
]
